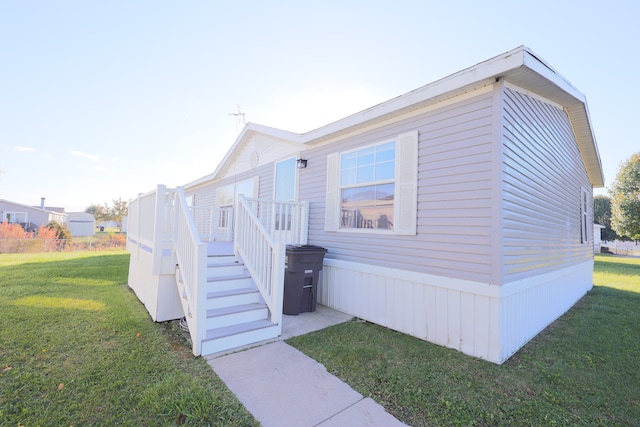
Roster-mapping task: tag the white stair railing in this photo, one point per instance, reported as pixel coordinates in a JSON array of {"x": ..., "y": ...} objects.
[
  {"x": 286, "y": 222},
  {"x": 191, "y": 256},
  {"x": 213, "y": 223},
  {"x": 263, "y": 257}
]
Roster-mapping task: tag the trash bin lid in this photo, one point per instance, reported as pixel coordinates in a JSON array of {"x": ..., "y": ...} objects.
[{"x": 305, "y": 248}]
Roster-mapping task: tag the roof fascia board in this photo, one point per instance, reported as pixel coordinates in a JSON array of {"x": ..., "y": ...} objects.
[{"x": 534, "y": 63}]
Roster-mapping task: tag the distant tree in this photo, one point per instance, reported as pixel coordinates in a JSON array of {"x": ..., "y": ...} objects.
[
  {"x": 118, "y": 210},
  {"x": 62, "y": 232},
  {"x": 625, "y": 199},
  {"x": 602, "y": 216},
  {"x": 99, "y": 212}
]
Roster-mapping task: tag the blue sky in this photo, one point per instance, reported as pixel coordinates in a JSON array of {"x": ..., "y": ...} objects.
[{"x": 103, "y": 100}]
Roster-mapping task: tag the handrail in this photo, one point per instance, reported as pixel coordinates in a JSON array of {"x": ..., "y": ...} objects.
[
  {"x": 191, "y": 256},
  {"x": 213, "y": 223},
  {"x": 286, "y": 221},
  {"x": 263, "y": 258}
]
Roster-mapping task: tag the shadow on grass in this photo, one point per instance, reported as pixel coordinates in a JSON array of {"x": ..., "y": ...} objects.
[{"x": 628, "y": 266}]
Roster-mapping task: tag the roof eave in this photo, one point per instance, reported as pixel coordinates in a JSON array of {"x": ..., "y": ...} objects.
[{"x": 243, "y": 138}]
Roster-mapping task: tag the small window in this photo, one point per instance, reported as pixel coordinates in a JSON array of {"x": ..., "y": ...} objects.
[
  {"x": 584, "y": 217},
  {"x": 15, "y": 217}
]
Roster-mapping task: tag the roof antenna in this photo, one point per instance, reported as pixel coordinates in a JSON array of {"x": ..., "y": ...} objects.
[{"x": 239, "y": 119}]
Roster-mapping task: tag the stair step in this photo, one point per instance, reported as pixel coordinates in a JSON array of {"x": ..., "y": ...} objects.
[
  {"x": 220, "y": 259},
  {"x": 224, "y": 264},
  {"x": 244, "y": 275},
  {"x": 232, "y": 297},
  {"x": 231, "y": 292},
  {"x": 225, "y": 269},
  {"x": 227, "y": 331},
  {"x": 244, "y": 335},
  {"x": 223, "y": 311},
  {"x": 236, "y": 314}
]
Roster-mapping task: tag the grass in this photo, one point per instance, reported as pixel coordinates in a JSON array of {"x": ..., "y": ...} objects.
[
  {"x": 582, "y": 370},
  {"x": 78, "y": 348}
]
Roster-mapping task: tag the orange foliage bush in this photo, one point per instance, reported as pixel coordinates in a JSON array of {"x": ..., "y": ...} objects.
[{"x": 13, "y": 231}]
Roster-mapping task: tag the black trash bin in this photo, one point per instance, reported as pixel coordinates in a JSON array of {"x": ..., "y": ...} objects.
[{"x": 302, "y": 267}]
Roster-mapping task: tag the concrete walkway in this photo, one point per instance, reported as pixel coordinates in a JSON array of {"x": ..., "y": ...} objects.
[{"x": 281, "y": 386}]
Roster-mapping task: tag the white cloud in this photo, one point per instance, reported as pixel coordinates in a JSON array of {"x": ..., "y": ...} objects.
[
  {"x": 92, "y": 157},
  {"x": 22, "y": 149}
]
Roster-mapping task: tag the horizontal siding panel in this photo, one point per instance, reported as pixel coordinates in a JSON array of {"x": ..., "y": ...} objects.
[
  {"x": 543, "y": 179},
  {"x": 426, "y": 195},
  {"x": 465, "y": 153},
  {"x": 462, "y": 188},
  {"x": 468, "y": 138},
  {"x": 454, "y": 195},
  {"x": 457, "y": 168}
]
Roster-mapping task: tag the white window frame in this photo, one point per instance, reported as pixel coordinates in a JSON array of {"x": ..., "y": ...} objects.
[
  {"x": 12, "y": 214},
  {"x": 235, "y": 190},
  {"x": 405, "y": 188},
  {"x": 275, "y": 179},
  {"x": 585, "y": 214}
]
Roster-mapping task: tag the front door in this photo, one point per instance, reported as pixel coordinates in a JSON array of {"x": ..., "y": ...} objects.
[{"x": 286, "y": 178}]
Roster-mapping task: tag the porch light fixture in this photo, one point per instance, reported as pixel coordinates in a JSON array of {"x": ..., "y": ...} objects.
[{"x": 302, "y": 163}]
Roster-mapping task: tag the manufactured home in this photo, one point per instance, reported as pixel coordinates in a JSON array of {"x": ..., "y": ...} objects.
[
  {"x": 30, "y": 217},
  {"x": 459, "y": 213}
]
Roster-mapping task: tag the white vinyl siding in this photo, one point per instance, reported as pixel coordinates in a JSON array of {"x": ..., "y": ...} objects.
[
  {"x": 332, "y": 206},
  {"x": 543, "y": 181}
]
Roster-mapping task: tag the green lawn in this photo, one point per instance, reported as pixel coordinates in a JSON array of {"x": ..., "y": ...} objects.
[
  {"x": 78, "y": 348},
  {"x": 582, "y": 370}
]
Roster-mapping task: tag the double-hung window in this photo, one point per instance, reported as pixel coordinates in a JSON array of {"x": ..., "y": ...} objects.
[
  {"x": 374, "y": 188},
  {"x": 367, "y": 187}
]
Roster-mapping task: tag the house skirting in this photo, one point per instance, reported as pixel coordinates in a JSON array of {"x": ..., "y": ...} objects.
[
  {"x": 479, "y": 319},
  {"x": 158, "y": 292}
]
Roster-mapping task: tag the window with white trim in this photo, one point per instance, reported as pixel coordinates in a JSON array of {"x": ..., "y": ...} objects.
[
  {"x": 584, "y": 217},
  {"x": 14, "y": 217},
  {"x": 374, "y": 188}
]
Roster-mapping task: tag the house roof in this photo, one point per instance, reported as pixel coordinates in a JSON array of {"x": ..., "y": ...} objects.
[
  {"x": 81, "y": 217},
  {"x": 519, "y": 66},
  {"x": 35, "y": 208}
]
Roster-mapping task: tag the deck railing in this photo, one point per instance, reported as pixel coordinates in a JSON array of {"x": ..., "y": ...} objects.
[
  {"x": 162, "y": 224},
  {"x": 150, "y": 226},
  {"x": 286, "y": 222},
  {"x": 191, "y": 257},
  {"x": 213, "y": 223},
  {"x": 263, "y": 257}
]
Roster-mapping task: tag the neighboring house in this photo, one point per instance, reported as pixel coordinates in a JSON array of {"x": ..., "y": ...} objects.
[
  {"x": 597, "y": 237},
  {"x": 459, "y": 213},
  {"x": 104, "y": 225},
  {"x": 81, "y": 224},
  {"x": 30, "y": 217}
]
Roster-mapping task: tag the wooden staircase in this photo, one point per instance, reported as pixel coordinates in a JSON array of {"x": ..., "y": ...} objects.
[{"x": 236, "y": 312}]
